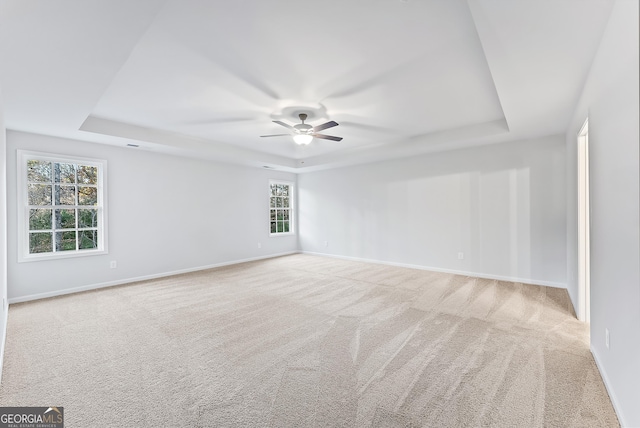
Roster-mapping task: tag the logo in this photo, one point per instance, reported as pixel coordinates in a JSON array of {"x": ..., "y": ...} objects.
[{"x": 31, "y": 417}]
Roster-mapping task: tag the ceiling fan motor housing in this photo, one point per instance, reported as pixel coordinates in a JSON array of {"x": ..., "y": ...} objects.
[{"x": 303, "y": 128}]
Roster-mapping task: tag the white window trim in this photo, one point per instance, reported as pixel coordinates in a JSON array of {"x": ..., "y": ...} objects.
[
  {"x": 23, "y": 207},
  {"x": 292, "y": 203}
]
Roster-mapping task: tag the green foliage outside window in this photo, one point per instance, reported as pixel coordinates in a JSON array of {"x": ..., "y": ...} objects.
[
  {"x": 280, "y": 209},
  {"x": 63, "y": 206}
]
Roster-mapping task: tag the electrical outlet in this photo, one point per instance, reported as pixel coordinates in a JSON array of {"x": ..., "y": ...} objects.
[
  {"x": 259, "y": 245},
  {"x": 606, "y": 337},
  {"x": 113, "y": 264},
  {"x": 326, "y": 243},
  {"x": 460, "y": 256}
]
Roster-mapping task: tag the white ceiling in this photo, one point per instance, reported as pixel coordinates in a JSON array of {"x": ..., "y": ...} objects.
[{"x": 206, "y": 78}]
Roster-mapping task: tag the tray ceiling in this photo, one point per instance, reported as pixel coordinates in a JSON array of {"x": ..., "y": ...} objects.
[{"x": 203, "y": 79}]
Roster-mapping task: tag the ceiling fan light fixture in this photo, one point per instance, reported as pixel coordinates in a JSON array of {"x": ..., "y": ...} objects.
[{"x": 302, "y": 139}]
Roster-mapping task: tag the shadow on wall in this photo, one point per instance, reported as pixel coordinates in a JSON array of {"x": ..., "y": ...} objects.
[{"x": 495, "y": 210}]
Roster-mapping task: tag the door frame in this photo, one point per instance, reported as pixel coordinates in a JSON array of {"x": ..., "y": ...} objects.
[{"x": 584, "y": 239}]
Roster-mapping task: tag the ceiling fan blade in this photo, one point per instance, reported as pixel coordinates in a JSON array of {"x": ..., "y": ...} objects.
[
  {"x": 276, "y": 135},
  {"x": 327, "y": 137},
  {"x": 325, "y": 126},
  {"x": 286, "y": 125}
]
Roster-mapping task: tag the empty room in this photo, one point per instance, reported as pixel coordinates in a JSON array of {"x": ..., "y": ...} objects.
[{"x": 394, "y": 213}]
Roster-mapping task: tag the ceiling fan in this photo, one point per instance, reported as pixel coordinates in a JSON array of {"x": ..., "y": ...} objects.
[{"x": 303, "y": 133}]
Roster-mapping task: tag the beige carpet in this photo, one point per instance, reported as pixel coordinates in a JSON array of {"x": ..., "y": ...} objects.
[{"x": 304, "y": 341}]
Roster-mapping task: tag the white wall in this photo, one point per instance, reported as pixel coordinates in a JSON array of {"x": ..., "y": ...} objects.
[
  {"x": 166, "y": 214},
  {"x": 610, "y": 100},
  {"x": 502, "y": 205},
  {"x": 3, "y": 236}
]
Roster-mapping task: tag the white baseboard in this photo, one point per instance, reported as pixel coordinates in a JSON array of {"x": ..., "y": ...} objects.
[
  {"x": 55, "y": 293},
  {"x": 612, "y": 395},
  {"x": 452, "y": 271}
]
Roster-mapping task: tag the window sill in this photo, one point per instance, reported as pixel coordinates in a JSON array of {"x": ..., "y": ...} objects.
[{"x": 58, "y": 256}]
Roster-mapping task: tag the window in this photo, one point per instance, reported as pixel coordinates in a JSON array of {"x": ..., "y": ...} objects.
[
  {"x": 281, "y": 208},
  {"x": 61, "y": 206}
]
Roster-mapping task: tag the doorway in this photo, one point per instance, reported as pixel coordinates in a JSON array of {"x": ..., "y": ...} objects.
[{"x": 584, "y": 292}]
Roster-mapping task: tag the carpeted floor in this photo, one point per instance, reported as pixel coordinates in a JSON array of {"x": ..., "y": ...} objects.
[{"x": 304, "y": 341}]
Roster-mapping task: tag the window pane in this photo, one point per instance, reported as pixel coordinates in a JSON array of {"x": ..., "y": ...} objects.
[
  {"x": 65, "y": 195},
  {"x": 65, "y": 219},
  {"x": 88, "y": 239},
  {"x": 65, "y": 241},
  {"x": 40, "y": 243},
  {"x": 87, "y": 195},
  {"x": 280, "y": 214},
  {"x": 64, "y": 172},
  {"x": 38, "y": 171},
  {"x": 39, "y": 194},
  {"x": 63, "y": 200},
  {"x": 40, "y": 219},
  {"x": 87, "y": 218},
  {"x": 87, "y": 174}
]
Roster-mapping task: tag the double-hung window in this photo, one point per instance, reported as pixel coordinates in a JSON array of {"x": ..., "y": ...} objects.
[
  {"x": 281, "y": 208},
  {"x": 61, "y": 206}
]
